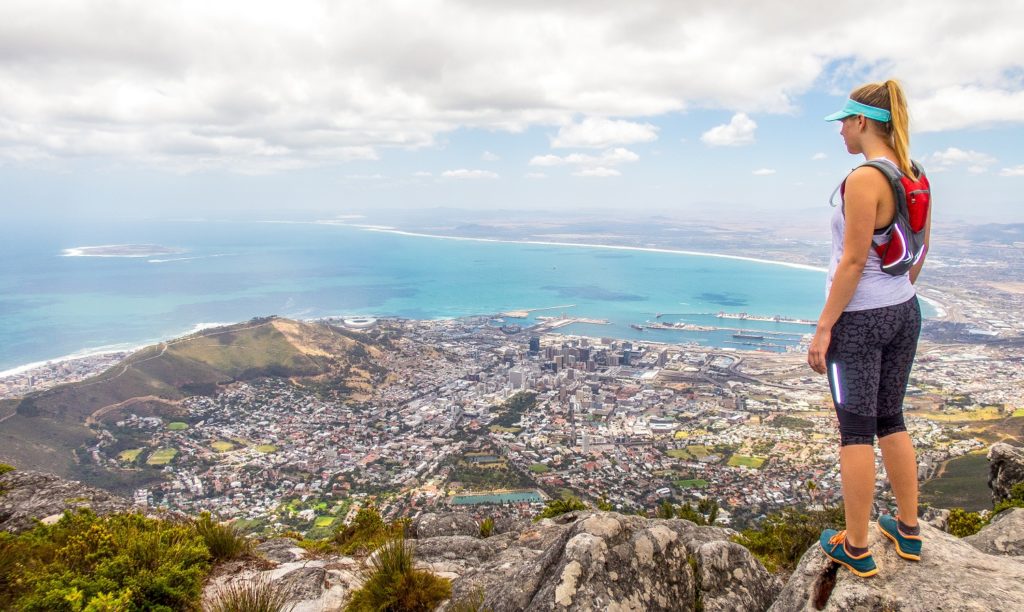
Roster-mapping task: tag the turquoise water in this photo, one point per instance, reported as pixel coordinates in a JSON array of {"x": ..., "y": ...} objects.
[
  {"x": 498, "y": 498},
  {"x": 52, "y": 305}
]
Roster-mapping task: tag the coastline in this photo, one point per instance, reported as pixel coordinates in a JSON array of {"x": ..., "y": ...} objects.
[
  {"x": 124, "y": 347},
  {"x": 617, "y": 247}
]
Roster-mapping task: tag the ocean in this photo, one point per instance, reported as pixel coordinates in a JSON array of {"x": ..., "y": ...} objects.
[{"x": 53, "y": 305}]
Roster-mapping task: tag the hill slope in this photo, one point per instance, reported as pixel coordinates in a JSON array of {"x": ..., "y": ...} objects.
[{"x": 50, "y": 430}]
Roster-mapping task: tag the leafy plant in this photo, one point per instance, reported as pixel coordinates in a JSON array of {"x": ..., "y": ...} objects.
[
  {"x": 963, "y": 523},
  {"x": 116, "y": 562},
  {"x": 783, "y": 537},
  {"x": 392, "y": 583},
  {"x": 557, "y": 507},
  {"x": 366, "y": 532},
  {"x": 4, "y": 468},
  {"x": 223, "y": 541},
  {"x": 486, "y": 527},
  {"x": 254, "y": 596}
]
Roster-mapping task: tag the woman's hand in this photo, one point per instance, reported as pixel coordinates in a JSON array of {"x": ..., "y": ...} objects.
[{"x": 819, "y": 347}]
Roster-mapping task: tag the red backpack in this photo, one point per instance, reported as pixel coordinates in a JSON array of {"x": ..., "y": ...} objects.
[{"x": 901, "y": 244}]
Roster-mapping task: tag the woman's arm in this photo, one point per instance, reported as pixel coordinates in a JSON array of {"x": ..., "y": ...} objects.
[{"x": 861, "y": 207}]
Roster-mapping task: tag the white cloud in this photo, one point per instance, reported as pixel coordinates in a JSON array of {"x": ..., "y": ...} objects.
[
  {"x": 610, "y": 157},
  {"x": 764, "y": 172},
  {"x": 599, "y": 171},
  {"x": 535, "y": 175},
  {"x": 489, "y": 157},
  {"x": 818, "y": 155},
  {"x": 739, "y": 131},
  {"x": 976, "y": 162},
  {"x": 422, "y": 174},
  {"x": 463, "y": 173},
  {"x": 599, "y": 133},
  {"x": 253, "y": 87},
  {"x": 365, "y": 177},
  {"x": 1014, "y": 171}
]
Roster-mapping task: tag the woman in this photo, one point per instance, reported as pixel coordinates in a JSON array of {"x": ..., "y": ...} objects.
[{"x": 867, "y": 333}]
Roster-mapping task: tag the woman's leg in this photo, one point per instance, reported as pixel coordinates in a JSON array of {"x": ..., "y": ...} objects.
[
  {"x": 901, "y": 468},
  {"x": 854, "y": 362},
  {"x": 857, "y": 467},
  {"x": 897, "y": 448}
]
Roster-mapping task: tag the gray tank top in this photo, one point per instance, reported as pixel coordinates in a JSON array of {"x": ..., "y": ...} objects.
[{"x": 875, "y": 289}]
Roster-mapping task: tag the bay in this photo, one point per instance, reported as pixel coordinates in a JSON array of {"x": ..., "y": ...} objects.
[{"x": 52, "y": 305}]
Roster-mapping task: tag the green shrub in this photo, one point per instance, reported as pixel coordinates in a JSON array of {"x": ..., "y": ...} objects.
[
  {"x": 783, "y": 537},
  {"x": 474, "y": 602},
  {"x": 557, "y": 507},
  {"x": 254, "y": 596},
  {"x": 223, "y": 541},
  {"x": 1016, "y": 500},
  {"x": 394, "y": 584},
  {"x": 116, "y": 562},
  {"x": 486, "y": 527},
  {"x": 604, "y": 505},
  {"x": 963, "y": 523},
  {"x": 4, "y": 468},
  {"x": 366, "y": 532}
]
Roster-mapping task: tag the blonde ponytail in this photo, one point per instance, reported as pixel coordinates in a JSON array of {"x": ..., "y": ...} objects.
[
  {"x": 900, "y": 127},
  {"x": 889, "y": 96}
]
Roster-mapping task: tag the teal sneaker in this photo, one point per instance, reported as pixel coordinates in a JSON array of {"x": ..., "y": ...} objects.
[
  {"x": 907, "y": 546},
  {"x": 831, "y": 542}
]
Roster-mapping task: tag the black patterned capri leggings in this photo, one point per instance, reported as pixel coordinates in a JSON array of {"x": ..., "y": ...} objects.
[{"x": 869, "y": 361}]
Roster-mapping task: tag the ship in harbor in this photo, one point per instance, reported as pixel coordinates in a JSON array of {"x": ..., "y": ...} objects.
[
  {"x": 772, "y": 319},
  {"x": 747, "y": 336},
  {"x": 637, "y": 327}
]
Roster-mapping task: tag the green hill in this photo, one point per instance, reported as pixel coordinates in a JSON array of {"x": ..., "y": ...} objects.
[{"x": 50, "y": 430}]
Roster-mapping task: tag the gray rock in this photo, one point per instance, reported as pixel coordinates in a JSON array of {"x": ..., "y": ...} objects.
[
  {"x": 281, "y": 550},
  {"x": 608, "y": 561},
  {"x": 32, "y": 495},
  {"x": 1003, "y": 536},
  {"x": 1005, "y": 469},
  {"x": 952, "y": 575},
  {"x": 445, "y": 524},
  {"x": 304, "y": 583},
  {"x": 937, "y": 518}
]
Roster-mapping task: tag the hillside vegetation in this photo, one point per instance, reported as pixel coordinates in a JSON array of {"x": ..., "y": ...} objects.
[{"x": 50, "y": 429}]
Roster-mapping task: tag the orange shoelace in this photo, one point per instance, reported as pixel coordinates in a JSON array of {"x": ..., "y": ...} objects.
[{"x": 838, "y": 538}]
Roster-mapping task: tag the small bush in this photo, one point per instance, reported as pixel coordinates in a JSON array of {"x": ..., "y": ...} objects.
[
  {"x": 963, "y": 523},
  {"x": 4, "y": 468},
  {"x": 255, "y": 596},
  {"x": 604, "y": 505},
  {"x": 366, "y": 532},
  {"x": 1016, "y": 500},
  {"x": 474, "y": 602},
  {"x": 486, "y": 527},
  {"x": 223, "y": 541},
  {"x": 116, "y": 562},
  {"x": 783, "y": 537},
  {"x": 558, "y": 507},
  {"x": 394, "y": 584}
]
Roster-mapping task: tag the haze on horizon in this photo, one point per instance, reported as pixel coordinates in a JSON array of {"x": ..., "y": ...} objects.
[{"x": 321, "y": 109}]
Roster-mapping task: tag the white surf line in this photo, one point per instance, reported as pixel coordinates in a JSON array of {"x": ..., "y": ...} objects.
[{"x": 602, "y": 246}]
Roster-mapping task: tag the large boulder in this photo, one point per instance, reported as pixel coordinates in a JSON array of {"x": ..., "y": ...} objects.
[
  {"x": 29, "y": 496},
  {"x": 608, "y": 561},
  {"x": 1003, "y": 536},
  {"x": 1005, "y": 469},
  {"x": 952, "y": 575},
  {"x": 445, "y": 524}
]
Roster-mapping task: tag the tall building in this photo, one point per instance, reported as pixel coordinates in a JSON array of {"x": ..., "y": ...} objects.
[
  {"x": 534, "y": 345},
  {"x": 586, "y": 442}
]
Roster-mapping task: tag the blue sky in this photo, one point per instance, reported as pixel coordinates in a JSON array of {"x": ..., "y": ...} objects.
[{"x": 323, "y": 109}]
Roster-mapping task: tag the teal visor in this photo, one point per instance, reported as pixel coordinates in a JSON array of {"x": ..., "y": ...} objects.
[{"x": 852, "y": 107}]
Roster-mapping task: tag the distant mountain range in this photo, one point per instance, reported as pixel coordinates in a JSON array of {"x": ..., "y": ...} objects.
[{"x": 51, "y": 430}]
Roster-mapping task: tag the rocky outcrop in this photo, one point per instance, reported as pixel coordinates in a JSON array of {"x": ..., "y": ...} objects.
[
  {"x": 1003, "y": 536},
  {"x": 310, "y": 584},
  {"x": 602, "y": 561},
  {"x": 445, "y": 524},
  {"x": 952, "y": 575},
  {"x": 29, "y": 496},
  {"x": 1005, "y": 468}
]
